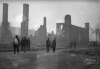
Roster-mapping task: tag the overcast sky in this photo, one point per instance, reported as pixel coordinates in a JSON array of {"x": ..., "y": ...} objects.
[{"x": 55, "y": 11}]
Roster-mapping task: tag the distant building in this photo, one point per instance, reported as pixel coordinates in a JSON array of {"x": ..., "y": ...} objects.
[{"x": 70, "y": 32}]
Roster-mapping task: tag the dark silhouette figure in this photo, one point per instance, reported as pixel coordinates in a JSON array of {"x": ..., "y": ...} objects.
[
  {"x": 16, "y": 44},
  {"x": 48, "y": 44},
  {"x": 28, "y": 44},
  {"x": 71, "y": 44},
  {"x": 22, "y": 44},
  {"x": 75, "y": 44},
  {"x": 54, "y": 45}
]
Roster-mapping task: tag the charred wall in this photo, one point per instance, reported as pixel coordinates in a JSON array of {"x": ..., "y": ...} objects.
[{"x": 72, "y": 32}]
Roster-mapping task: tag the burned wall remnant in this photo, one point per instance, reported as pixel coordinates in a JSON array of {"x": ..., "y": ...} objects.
[
  {"x": 72, "y": 32},
  {"x": 51, "y": 36},
  {"x": 41, "y": 34},
  {"x": 59, "y": 28},
  {"x": 5, "y": 32},
  {"x": 24, "y": 24}
]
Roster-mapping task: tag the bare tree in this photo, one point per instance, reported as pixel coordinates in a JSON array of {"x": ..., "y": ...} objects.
[{"x": 96, "y": 31}]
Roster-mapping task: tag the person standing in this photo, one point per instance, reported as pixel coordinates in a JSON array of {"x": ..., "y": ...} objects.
[
  {"x": 24, "y": 44},
  {"x": 75, "y": 44},
  {"x": 54, "y": 44},
  {"x": 28, "y": 44},
  {"x": 16, "y": 44},
  {"x": 71, "y": 44},
  {"x": 48, "y": 44}
]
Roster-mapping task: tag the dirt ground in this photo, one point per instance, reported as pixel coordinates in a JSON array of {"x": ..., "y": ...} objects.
[{"x": 43, "y": 60}]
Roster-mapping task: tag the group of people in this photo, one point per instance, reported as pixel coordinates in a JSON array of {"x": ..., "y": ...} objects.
[
  {"x": 24, "y": 43},
  {"x": 73, "y": 44},
  {"x": 51, "y": 44}
]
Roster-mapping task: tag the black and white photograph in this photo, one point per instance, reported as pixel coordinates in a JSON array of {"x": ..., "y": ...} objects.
[{"x": 49, "y": 34}]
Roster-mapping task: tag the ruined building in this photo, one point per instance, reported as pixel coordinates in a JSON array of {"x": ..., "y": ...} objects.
[
  {"x": 5, "y": 31},
  {"x": 67, "y": 32},
  {"x": 51, "y": 36},
  {"x": 24, "y": 24},
  {"x": 41, "y": 34}
]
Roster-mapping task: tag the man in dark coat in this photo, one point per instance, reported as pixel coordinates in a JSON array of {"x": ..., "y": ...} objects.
[
  {"x": 75, "y": 44},
  {"x": 28, "y": 44},
  {"x": 48, "y": 44},
  {"x": 54, "y": 45},
  {"x": 24, "y": 43},
  {"x": 16, "y": 44},
  {"x": 71, "y": 44}
]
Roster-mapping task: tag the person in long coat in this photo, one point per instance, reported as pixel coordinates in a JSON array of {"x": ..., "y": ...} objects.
[
  {"x": 71, "y": 44},
  {"x": 28, "y": 44},
  {"x": 48, "y": 44},
  {"x": 16, "y": 44},
  {"x": 75, "y": 44},
  {"x": 54, "y": 45},
  {"x": 24, "y": 44}
]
